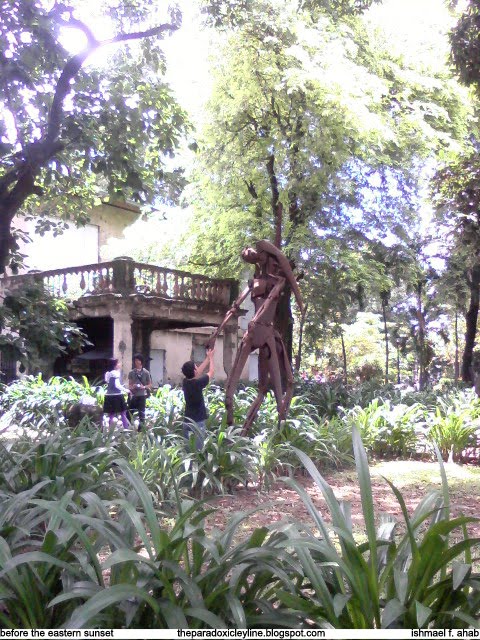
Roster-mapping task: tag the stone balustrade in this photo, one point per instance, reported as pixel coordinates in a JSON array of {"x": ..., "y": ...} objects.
[{"x": 125, "y": 276}]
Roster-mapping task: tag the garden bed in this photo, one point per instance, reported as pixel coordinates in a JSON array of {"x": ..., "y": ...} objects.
[{"x": 414, "y": 478}]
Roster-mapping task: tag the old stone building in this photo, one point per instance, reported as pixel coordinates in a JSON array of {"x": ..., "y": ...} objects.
[{"x": 126, "y": 306}]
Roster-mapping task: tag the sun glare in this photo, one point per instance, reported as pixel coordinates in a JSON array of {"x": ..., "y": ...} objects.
[{"x": 73, "y": 40}]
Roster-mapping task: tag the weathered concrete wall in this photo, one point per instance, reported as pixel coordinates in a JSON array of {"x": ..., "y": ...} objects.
[
  {"x": 122, "y": 338},
  {"x": 112, "y": 221},
  {"x": 178, "y": 346},
  {"x": 78, "y": 245}
]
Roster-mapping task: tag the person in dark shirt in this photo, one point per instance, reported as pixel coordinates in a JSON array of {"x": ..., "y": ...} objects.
[
  {"x": 139, "y": 383},
  {"x": 194, "y": 383}
]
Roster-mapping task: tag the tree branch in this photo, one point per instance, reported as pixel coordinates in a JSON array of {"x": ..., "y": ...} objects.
[
  {"x": 214, "y": 263},
  {"x": 75, "y": 63},
  {"x": 251, "y": 189}
]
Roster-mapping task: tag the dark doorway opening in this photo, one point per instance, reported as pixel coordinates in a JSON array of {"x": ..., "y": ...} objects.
[{"x": 95, "y": 359}]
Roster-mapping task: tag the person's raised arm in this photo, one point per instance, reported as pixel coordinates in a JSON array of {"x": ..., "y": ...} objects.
[
  {"x": 208, "y": 362},
  {"x": 211, "y": 368}
]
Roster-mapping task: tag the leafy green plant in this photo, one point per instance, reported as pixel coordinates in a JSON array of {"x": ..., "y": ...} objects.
[
  {"x": 35, "y": 327},
  {"x": 325, "y": 396},
  {"x": 414, "y": 579},
  {"x": 160, "y": 461},
  {"x": 226, "y": 459},
  {"x": 452, "y": 432},
  {"x": 35, "y": 403},
  {"x": 183, "y": 579},
  {"x": 62, "y": 460},
  {"x": 387, "y": 429}
]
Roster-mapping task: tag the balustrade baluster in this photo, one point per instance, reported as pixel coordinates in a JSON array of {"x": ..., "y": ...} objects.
[
  {"x": 165, "y": 283},
  {"x": 176, "y": 288},
  {"x": 226, "y": 294},
  {"x": 188, "y": 288},
  {"x": 82, "y": 281},
  {"x": 64, "y": 284}
]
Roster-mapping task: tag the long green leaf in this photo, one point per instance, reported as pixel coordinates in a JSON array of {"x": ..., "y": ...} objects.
[{"x": 84, "y": 615}]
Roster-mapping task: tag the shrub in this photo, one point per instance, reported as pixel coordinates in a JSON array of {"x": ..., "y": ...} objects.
[
  {"x": 184, "y": 578},
  {"x": 386, "y": 429},
  {"x": 451, "y": 432},
  {"x": 34, "y": 403},
  {"x": 414, "y": 579}
]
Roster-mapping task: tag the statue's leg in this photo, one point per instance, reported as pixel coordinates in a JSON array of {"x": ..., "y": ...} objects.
[
  {"x": 262, "y": 389},
  {"x": 287, "y": 368},
  {"x": 240, "y": 359},
  {"x": 275, "y": 375}
]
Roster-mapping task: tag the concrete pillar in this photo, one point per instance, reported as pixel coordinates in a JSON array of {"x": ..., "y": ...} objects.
[
  {"x": 123, "y": 276},
  {"x": 122, "y": 339}
]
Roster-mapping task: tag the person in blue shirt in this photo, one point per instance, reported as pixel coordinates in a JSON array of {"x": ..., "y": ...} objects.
[{"x": 194, "y": 383}]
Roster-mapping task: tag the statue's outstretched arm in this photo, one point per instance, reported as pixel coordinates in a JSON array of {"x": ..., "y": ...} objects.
[{"x": 232, "y": 312}]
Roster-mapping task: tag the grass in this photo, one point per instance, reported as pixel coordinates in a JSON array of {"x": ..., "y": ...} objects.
[{"x": 407, "y": 473}]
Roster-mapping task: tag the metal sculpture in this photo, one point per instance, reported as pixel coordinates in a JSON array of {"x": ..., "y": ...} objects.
[{"x": 272, "y": 272}]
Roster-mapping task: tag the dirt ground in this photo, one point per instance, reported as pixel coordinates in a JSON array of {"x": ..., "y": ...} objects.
[{"x": 413, "y": 478}]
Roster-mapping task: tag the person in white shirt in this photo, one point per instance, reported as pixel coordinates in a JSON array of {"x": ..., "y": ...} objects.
[{"x": 114, "y": 402}]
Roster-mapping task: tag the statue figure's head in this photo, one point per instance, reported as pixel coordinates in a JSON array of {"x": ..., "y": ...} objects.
[{"x": 250, "y": 255}]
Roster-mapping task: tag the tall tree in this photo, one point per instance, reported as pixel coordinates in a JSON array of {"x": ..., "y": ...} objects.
[
  {"x": 455, "y": 186},
  {"x": 312, "y": 111},
  {"x": 69, "y": 132},
  {"x": 457, "y": 198}
]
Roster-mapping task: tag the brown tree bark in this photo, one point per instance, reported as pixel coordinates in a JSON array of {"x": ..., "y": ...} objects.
[
  {"x": 457, "y": 361},
  {"x": 385, "y": 329},
  {"x": 471, "y": 318},
  {"x": 421, "y": 338},
  {"x": 283, "y": 317}
]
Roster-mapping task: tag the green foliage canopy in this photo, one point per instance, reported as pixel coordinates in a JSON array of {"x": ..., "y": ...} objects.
[
  {"x": 315, "y": 112},
  {"x": 71, "y": 133}
]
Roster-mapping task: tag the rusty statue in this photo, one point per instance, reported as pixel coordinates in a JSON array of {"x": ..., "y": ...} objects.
[{"x": 272, "y": 273}]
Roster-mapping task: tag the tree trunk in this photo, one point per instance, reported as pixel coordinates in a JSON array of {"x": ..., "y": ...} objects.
[
  {"x": 284, "y": 320},
  {"x": 385, "y": 330},
  {"x": 471, "y": 317},
  {"x": 421, "y": 339},
  {"x": 344, "y": 355},
  {"x": 298, "y": 359},
  {"x": 6, "y": 239},
  {"x": 283, "y": 316},
  {"x": 457, "y": 363}
]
